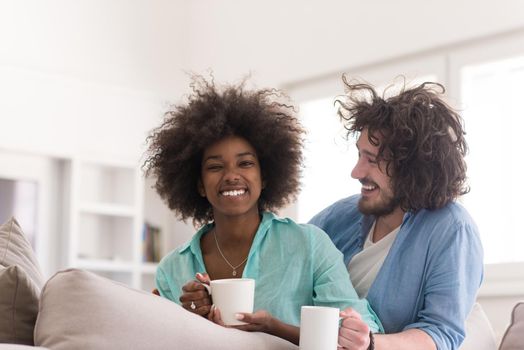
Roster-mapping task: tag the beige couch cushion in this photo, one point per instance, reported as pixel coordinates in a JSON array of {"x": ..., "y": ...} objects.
[
  {"x": 20, "y": 347},
  {"x": 479, "y": 333},
  {"x": 514, "y": 337},
  {"x": 80, "y": 310},
  {"x": 20, "y": 284}
]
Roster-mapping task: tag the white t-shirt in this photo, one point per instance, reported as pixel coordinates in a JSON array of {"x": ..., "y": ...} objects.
[{"x": 364, "y": 266}]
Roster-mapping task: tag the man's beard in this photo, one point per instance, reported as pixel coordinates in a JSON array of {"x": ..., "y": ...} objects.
[{"x": 385, "y": 206}]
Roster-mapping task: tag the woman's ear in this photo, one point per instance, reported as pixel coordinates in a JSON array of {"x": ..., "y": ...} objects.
[
  {"x": 263, "y": 184},
  {"x": 200, "y": 189}
]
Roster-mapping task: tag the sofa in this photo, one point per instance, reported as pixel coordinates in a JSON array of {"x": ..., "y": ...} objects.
[{"x": 76, "y": 309}]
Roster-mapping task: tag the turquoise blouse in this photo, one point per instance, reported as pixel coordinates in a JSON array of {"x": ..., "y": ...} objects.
[{"x": 292, "y": 264}]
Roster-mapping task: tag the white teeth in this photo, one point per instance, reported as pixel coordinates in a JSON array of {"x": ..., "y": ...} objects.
[
  {"x": 369, "y": 187},
  {"x": 233, "y": 193}
]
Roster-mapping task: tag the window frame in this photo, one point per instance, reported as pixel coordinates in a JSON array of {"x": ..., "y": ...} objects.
[{"x": 500, "y": 279}]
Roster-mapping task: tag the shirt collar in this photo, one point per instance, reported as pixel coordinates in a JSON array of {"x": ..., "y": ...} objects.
[
  {"x": 194, "y": 244},
  {"x": 367, "y": 221}
]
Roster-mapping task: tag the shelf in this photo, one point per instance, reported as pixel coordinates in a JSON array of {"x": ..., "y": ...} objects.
[
  {"x": 148, "y": 268},
  {"x": 106, "y": 183},
  {"x": 108, "y": 209},
  {"x": 106, "y": 220}
]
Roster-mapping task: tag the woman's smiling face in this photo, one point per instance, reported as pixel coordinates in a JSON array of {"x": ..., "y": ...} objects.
[{"x": 231, "y": 178}]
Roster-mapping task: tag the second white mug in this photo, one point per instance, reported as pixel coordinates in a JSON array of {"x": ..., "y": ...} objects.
[{"x": 319, "y": 328}]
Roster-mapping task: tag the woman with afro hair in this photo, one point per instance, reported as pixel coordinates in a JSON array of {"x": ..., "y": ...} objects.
[{"x": 228, "y": 158}]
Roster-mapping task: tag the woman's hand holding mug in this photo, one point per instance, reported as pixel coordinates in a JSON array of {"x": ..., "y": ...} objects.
[{"x": 195, "y": 297}]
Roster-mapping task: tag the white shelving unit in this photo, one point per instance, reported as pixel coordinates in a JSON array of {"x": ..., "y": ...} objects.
[{"x": 105, "y": 221}]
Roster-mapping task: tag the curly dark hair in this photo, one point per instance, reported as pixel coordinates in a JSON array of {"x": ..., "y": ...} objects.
[
  {"x": 265, "y": 118},
  {"x": 420, "y": 138}
]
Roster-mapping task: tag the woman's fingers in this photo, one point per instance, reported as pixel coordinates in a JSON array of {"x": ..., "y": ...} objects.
[
  {"x": 203, "y": 277},
  {"x": 195, "y": 298},
  {"x": 193, "y": 286},
  {"x": 196, "y": 295},
  {"x": 255, "y": 322},
  {"x": 200, "y": 306},
  {"x": 214, "y": 315}
]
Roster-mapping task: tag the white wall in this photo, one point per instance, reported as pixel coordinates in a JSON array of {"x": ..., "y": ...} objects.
[
  {"x": 64, "y": 117},
  {"x": 129, "y": 43},
  {"x": 85, "y": 79},
  {"x": 296, "y": 40},
  {"x": 88, "y": 76}
]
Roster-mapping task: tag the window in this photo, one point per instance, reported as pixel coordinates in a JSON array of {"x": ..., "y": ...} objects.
[
  {"x": 329, "y": 157},
  {"x": 484, "y": 81},
  {"x": 19, "y": 199},
  {"x": 492, "y": 96}
]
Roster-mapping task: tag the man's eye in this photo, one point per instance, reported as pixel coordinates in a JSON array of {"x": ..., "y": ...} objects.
[{"x": 372, "y": 161}]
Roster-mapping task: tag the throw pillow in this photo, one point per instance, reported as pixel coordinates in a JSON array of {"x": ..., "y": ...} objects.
[
  {"x": 20, "y": 284},
  {"x": 80, "y": 310},
  {"x": 479, "y": 333},
  {"x": 20, "y": 347},
  {"x": 513, "y": 338}
]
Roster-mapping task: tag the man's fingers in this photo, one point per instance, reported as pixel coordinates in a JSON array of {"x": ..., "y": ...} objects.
[
  {"x": 354, "y": 333},
  {"x": 351, "y": 313},
  {"x": 355, "y": 325}
]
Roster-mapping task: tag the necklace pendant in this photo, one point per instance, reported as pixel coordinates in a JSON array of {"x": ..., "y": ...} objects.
[{"x": 234, "y": 272}]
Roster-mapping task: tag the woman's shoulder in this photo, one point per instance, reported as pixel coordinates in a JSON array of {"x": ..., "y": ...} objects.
[
  {"x": 181, "y": 255},
  {"x": 174, "y": 256},
  {"x": 305, "y": 232}
]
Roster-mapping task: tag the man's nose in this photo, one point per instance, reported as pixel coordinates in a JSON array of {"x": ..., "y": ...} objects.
[{"x": 358, "y": 171}]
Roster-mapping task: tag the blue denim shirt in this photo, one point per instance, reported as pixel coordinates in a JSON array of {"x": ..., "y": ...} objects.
[{"x": 431, "y": 276}]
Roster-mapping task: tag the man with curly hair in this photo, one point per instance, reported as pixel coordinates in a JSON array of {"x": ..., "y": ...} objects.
[
  {"x": 410, "y": 248},
  {"x": 227, "y": 159}
]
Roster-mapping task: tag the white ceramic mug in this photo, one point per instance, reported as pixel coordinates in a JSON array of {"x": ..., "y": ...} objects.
[
  {"x": 319, "y": 328},
  {"x": 232, "y": 296}
]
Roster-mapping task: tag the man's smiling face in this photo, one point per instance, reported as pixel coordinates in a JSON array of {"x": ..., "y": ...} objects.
[{"x": 377, "y": 197}]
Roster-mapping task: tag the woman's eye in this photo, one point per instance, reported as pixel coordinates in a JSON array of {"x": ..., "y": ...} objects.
[
  {"x": 214, "y": 167},
  {"x": 246, "y": 164}
]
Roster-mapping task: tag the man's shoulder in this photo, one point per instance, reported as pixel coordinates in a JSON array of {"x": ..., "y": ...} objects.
[
  {"x": 449, "y": 223},
  {"x": 452, "y": 213},
  {"x": 345, "y": 209},
  {"x": 341, "y": 220}
]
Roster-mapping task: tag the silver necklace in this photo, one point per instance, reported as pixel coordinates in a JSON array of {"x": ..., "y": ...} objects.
[{"x": 234, "y": 268}]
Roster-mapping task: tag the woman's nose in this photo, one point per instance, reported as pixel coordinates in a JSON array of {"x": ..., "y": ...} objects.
[{"x": 231, "y": 175}]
